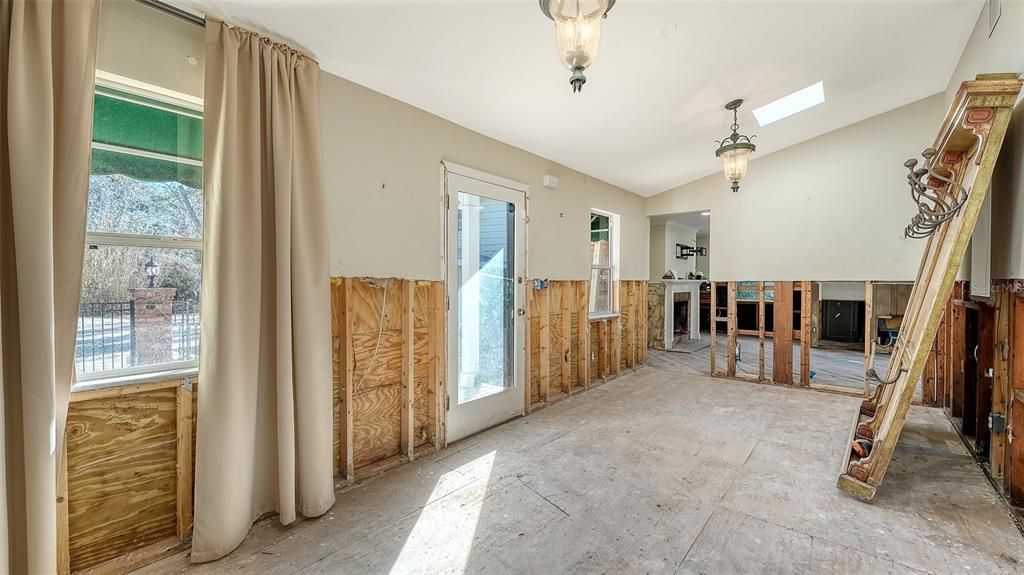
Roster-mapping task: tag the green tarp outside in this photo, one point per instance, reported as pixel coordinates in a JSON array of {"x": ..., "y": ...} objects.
[{"x": 132, "y": 122}]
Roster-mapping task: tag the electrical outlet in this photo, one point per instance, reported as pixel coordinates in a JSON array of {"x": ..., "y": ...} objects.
[{"x": 997, "y": 422}]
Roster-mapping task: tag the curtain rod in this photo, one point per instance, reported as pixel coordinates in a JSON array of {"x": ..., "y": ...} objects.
[{"x": 174, "y": 11}]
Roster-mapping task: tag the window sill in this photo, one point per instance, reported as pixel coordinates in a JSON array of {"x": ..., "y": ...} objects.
[
  {"x": 134, "y": 379},
  {"x": 601, "y": 316}
]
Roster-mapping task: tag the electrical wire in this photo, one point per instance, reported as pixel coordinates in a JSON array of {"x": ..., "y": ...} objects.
[{"x": 380, "y": 330}]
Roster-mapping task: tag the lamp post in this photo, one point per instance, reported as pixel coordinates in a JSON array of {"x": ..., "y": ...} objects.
[
  {"x": 152, "y": 319},
  {"x": 152, "y": 271},
  {"x": 735, "y": 149}
]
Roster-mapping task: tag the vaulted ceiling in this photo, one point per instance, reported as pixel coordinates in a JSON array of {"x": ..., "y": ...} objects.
[{"x": 652, "y": 106}]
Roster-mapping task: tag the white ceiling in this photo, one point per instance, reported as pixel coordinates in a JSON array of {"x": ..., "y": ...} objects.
[{"x": 652, "y": 106}]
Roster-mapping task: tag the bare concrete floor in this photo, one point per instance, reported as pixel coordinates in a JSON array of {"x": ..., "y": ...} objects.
[{"x": 656, "y": 472}]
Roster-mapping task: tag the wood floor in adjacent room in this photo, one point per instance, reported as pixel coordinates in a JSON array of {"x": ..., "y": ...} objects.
[
  {"x": 841, "y": 369},
  {"x": 657, "y": 472}
]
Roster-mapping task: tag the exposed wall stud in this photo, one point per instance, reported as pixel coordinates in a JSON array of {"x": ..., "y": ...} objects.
[{"x": 408, "y": 362}]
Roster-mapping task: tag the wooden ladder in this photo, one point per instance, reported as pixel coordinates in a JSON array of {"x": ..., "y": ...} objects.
[{"x": 957, "y": 169}]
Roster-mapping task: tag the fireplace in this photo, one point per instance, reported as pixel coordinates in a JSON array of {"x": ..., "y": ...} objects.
[
  {"x": 682, "y": 311},
  {"x": 680, "y": 316}
]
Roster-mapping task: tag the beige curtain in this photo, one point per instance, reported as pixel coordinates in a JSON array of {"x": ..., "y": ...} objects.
[
  {"x": 265, "y": 417},
  {"x": 47, "y": 73}
]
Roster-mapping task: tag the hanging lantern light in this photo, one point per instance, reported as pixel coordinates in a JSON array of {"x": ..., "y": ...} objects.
[
  {"x": 735, "y": 150},
  {"x": 577, "y": 33}
]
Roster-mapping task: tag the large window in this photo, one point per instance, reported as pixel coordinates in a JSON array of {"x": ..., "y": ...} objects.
[
  {"x": 602, "y": 263},
  {"x": 139, "y": 310}
]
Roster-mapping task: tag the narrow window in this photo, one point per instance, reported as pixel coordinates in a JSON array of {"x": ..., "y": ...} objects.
[
  {"x": 602, "y": 263},
  {"x": 139, "y": 309}
]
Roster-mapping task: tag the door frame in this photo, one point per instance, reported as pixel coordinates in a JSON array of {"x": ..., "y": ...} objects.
[{"x": 521, "y": 231}]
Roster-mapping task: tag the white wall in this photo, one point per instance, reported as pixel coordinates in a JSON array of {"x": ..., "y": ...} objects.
[
  {"x": 831, "y": 208},
  {"x": 844, "y": 291},
  {"x": 146, "y": 45},
  {"x": 657, "y": 266},
  {"x": 1003, "y": 52},
  {"x": 679, "y": 234},
  {"x": 382, "y": 160},
  {"x": 702, "y": 263},
  {"x": 383, "y": 185},
  {"x": 664, "y": 237}
]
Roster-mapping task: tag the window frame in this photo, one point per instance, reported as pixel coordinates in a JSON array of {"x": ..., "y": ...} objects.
[
  {"x": 611, "y": 266},
  {"x": 176, "y": 103}
]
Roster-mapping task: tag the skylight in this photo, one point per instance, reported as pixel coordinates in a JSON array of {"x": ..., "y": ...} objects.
[{"x": 788, "y": 105}]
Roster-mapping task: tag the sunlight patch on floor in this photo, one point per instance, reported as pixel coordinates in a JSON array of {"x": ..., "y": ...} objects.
[{"x": 445, "y": 534}]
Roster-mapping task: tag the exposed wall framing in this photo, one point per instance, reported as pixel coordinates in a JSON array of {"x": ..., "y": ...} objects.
[
  {"x": 940, "y": 376},
  {"x": 126, "y": 482},
  {"x": 568, "y": 351},
  {"x": 942, "y": 382},
  {"x": 1014, "y": 458},
  {"x": 131, "y": 449},
  {"x": 780, "y": 371},
  {"x": 125, "y": 487},
  {"x": 126, "y": 494},
  {"x": 998, "y": 395},
  {"x": 869, "y": 332},
  {"x": 388, "y": 342},
  {"x": 378, "y": 412},
  {"x": 656, "y": 314},
  {"x": 782, "y": 335}
]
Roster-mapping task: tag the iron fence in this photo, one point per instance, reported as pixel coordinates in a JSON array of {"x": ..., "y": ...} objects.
[
  {"x": 106, "y": 337},
  {"x": 184, "y": 330}
]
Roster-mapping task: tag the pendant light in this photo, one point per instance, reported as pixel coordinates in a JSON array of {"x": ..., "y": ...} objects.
[
  {"x": 735, "y": 150},
  {"x": 577, "y": 33}
]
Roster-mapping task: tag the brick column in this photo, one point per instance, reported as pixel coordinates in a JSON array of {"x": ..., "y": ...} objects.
[{"x": 152, "y": 324}]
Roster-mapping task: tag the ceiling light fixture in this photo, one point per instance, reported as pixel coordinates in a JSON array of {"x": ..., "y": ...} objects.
[
  {"x": 577, "y": 33},
  {"x": 794, "y": 103},
  {"x": 735, "y": 149}
]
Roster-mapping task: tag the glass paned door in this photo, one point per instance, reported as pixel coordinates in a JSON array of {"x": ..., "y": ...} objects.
[
  {"x": 485, "y": 295},
  {"x": 486, "y": 256}
]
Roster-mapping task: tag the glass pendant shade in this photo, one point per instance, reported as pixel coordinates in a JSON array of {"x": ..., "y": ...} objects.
[
  {"x": 577, "y": 33},
  {"x": 735, "y": 163},
  {"x": 735, "y": 149},
  {"x": 578, "y": 30}
]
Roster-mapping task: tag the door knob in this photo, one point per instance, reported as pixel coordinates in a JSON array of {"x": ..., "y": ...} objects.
[{"x": 521, "y": 312}]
